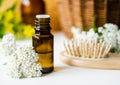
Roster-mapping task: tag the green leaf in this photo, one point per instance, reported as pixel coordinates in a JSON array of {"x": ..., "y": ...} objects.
[
  {"x": 2, "y": 31},
  {"x": 1, "y": 2},
  {"x": 94, "y": 24}
]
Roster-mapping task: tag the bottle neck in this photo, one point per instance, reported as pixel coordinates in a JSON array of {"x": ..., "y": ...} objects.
[
  {"x": 41, "y": 31},
  {"x": 42, "y": 28}
]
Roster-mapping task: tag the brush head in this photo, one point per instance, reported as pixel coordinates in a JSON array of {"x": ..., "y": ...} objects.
[{"x": 87, "y": 48}]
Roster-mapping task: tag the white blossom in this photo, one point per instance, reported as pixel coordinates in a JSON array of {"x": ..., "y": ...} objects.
[
  {"x": 118, "y": 39},
  {"x": 75, "y": 30},
  {"x": 109, "y": 33},
  {"x": 100, "y": 29},
  {"x": 21, "y": 60},
  {"x": 111, "y": 27},
  {"x": 8, "y": 44},
  {"x": 91, "y": 35}
]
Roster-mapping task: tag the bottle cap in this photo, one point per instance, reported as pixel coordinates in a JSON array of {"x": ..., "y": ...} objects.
[{"x": 42, "y": 16}]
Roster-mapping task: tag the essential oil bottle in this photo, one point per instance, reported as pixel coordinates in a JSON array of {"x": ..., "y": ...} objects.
[{"x": 43, "y": 43}]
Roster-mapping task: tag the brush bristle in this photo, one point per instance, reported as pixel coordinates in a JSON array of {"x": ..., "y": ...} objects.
[{"x": 87, "y": 48}]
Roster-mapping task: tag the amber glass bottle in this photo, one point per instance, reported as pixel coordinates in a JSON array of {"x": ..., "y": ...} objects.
[
  {"x": 29, "y": 8},
  {"x": 43, "y": 42}
]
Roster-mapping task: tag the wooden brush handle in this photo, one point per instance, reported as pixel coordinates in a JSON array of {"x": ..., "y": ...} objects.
[{"x": 111, "y": 63}]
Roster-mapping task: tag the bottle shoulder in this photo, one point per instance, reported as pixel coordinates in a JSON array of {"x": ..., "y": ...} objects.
[{"x": 43, "y": 36}]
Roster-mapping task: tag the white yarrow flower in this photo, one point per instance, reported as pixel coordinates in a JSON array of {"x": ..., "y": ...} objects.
[
  {"x": 109, "y": 33},
  {"x": 75, "y": 30},
  {"x": 21, "y": 59},
  {"x": 100, "y": 29},
  {"x": 8, "y": 45},
  {"x": 91, "y": 35},
  {"x": 111, "y": 27},
  {"x": 118, "y": 39}
]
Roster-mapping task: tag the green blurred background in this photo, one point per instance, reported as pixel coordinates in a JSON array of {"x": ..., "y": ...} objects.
[{"x": 11, "y": 19}]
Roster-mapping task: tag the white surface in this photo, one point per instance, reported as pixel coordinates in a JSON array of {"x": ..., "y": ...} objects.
[{"x": 64, "y": 74}]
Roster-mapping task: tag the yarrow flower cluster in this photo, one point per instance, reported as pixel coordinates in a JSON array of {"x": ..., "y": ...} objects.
[
  {"x": 8, "y": 44},
  {"x": 90, "y": 35},
  {"x": 21, "y": 59},
  {"x": 110, "y": 33}
]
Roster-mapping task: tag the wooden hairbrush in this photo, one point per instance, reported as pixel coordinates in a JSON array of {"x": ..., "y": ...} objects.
[
  {"x": 87, "y": 48},
  {"x": 90, "y": 54}
]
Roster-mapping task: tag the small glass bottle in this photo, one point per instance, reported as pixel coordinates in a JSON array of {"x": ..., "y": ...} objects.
[{"x": 43, "y": 42}]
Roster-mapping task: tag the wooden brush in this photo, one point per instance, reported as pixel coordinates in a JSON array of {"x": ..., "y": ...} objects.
[{"x": 87, "y": 48}]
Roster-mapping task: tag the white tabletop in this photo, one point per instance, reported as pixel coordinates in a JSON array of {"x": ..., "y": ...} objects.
[{"x": 64, "y": 74}]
